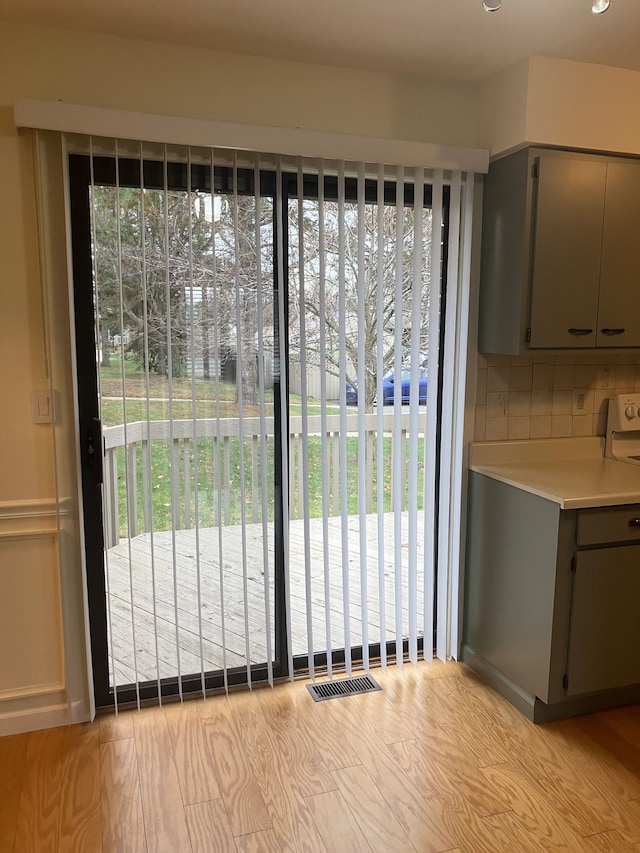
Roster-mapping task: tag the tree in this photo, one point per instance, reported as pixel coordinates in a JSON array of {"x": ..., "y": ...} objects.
[
  {"x": 140, "y": 283},
  {"x": 238, "y": 262},
  {"x": 375, "y": 243},
  {"x": 176, "y": 268},
  {"x": 187, "y": 273}
]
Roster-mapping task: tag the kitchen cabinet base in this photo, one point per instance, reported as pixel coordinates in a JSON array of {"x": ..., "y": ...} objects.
[{"x": 541, "y": 712}]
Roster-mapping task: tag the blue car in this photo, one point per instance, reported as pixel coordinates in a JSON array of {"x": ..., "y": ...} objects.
[
  {"x": 389, "y": 388},
  {"x": 352, "y": 395}
]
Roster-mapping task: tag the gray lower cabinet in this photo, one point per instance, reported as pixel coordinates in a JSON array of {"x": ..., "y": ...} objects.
[
  {"x": 604, "y": 635},
  {"x": 552, "y": 600},
  {"x": 560, "y": 263}
]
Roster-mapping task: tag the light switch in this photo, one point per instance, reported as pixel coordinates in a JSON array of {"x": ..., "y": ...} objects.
[{"x": 40, "y": 407}]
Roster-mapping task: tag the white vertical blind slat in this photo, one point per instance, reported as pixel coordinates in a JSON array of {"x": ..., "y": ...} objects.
[
  {"x": 264, "y": 463},
  {"x": 431, "y": 420},
  {"x": 446, "y": 441},
  {"x": 305, "y": 422},
  {"x": 218, "y": 461},
  {"x": 380, "y": 348},
  {"x": 97, "y": 282},
  {"x": 323, "y": 419},
  {"x": 147, "y": 457},
  {"x": 282, "y": 373},
  {"x": 414, "y": 386},
  {"x": 240, "y": 398},
  {"x": 174, "y": 473},
  {"x": 194, "y": 424},
  {"x": 462, "y": 332},
  {"x": 398, "y": 435},
  {"x": 127, "y": 479},
  {"x": 362, "y": 435},
  {"x": 344, "y": 460}
]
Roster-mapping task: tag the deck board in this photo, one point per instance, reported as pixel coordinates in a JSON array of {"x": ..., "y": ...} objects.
[{"x": 165, "y": 572}]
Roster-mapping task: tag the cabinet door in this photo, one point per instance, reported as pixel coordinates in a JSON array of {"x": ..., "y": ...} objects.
[
  {"x": 567, "y": 240},
  {"x": 604, "y": 636},
  {"x": 619, "y": 309}
]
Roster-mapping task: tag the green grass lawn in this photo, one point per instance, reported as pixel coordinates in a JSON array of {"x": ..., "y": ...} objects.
[
  {"x": 202, "y": 464},
  {"x": 163, "y": 487},
  {"x": 211, "y": 397}
]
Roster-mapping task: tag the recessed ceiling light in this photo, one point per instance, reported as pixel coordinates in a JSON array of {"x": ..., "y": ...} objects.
[{"x": 491, "y": 5}]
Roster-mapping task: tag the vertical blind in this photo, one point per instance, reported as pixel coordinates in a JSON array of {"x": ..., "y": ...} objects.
[{"x": 279, "y": 348}]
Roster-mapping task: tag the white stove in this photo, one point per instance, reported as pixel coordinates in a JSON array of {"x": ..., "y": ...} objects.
[{"x": 623, "y": 428}]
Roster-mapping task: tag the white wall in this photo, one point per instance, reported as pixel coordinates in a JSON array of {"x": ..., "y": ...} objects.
[
  {"x": 583, "y": 106},
  {"x": 503, "y": 121},
  {"x": 556, "y": 102},
  {"x": 175, "y": 80}
]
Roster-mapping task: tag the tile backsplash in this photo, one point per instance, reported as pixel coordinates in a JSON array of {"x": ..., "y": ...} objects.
[{"x": 549, "y": 396}]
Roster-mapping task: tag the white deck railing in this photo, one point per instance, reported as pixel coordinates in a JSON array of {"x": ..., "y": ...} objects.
[{"x": 181, "y": 434}]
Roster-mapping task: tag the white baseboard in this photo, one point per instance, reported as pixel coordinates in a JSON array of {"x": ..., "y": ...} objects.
[
  {"x": 33, "y": 719},
  {"x": 40, "y": 710}
]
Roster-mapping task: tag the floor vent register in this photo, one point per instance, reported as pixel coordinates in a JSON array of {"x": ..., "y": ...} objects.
[{"x": 345, "y": 687}]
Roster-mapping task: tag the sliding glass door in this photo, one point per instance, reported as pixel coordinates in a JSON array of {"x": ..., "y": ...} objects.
[
  {"x": 258, "y": 381},
  {"x": 363, "y": 333},
  {"x": 176, "y": 337}
]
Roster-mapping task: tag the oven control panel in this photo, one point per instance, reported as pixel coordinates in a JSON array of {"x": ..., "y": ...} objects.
[{"x": 624, "y": 412}]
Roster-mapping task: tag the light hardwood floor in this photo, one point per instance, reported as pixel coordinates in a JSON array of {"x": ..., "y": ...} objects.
[{"x": 435, "y": 762}]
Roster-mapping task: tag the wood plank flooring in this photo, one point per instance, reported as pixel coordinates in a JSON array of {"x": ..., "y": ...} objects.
[
  {"x": 169, "y": 585},
  {"x": 434, "y": 763}
]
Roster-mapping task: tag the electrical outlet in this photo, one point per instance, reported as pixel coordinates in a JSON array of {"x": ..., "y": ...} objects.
[{"x": 578, "y": 401}]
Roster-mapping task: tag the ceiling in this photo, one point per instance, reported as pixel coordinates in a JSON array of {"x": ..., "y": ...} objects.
[{"x": 447, "y": 38}]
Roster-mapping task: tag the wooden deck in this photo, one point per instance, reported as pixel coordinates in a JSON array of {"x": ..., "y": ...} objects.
[{"x": 181, "y": 610}]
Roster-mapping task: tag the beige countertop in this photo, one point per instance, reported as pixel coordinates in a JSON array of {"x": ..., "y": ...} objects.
[{"x": 572, "y": 472}]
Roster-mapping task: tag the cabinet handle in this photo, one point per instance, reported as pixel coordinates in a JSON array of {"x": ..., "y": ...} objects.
[
  {"x": 634, "y": 522},
  {"x": 611, "y": 332},
  {"x": 578, "y": 333}
]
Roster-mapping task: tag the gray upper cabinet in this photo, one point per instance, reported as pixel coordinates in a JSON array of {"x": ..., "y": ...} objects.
[
  {"x": 560, "y": 254},
  {"x": 619, "y": 305},
  {"x": 568, "y": 203}
]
